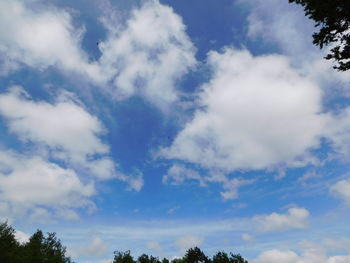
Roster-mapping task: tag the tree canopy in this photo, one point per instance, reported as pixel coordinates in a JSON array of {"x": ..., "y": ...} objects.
[
  {"x": 42, "y": 248},
  {"x": 39, "y": 248},
  {"x": 332, "y": 18}
]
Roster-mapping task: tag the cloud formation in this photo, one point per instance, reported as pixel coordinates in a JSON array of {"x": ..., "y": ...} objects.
[
  {"x": 146, "y": 57},
  {"x": 246, "y": 112},
  {"x": 66, "y": 128},
  {"x": 30, "y": 183},
  {"x": 39, "y": 39},
  {"x": 309, "y": 256},
  {"x": 295, "y": 218},
  {"x": 178, "y": 174},
  {"x": 188, "y": 241},
  {"x": 149, "y": 55},
  {"x": 341, "y": 190}
]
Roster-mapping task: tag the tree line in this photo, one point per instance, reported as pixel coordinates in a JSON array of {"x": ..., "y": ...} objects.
[{"x": 47, "y": 248}]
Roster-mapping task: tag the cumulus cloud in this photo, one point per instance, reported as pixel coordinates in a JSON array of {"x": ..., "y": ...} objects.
[
  {"x": 247, "y": 109},
  {"x": 342, "y": 190},
  {"x": 63, "y": 126},
  {"x": 31, "y": 183},
  {"x": 148, "y": 55},
  {"x": 188, "y": 241},
  {"x": 295, "y": 218},
  {"x": 41, "y": 38},
  {"x": 285, "y": 25},
  {"x": 66, "y": 128}
]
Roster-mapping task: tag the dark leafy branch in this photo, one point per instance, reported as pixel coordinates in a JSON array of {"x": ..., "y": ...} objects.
[{"x": 332, "y": 19}]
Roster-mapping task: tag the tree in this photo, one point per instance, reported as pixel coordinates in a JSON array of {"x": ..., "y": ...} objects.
[
  {"x": 147, "y": 259},
  {"x": 332, "y": 17},
  {"x": 237, "y": 258},
  {"x": 33, "y": 249},
  {"x": 53, "y": 250},
  {"x": 195, "y": 255},
  {"x": 221, "y": 257},
  {"x": 9, "y": 247},
  {"x": 123, "y": 257},
  {"x": 41, "y": 249}
]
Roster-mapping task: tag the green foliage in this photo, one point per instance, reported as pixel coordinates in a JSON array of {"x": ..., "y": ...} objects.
[
  {"x": 9, "y": 247},
  {"x": 222, "y": 257},
  {"x": 123, "y": 257},
  {"x": 237, "y": 258},
  {"x": 39, "y": 249},
  {"x": 147, "y": 259},
  {"x": 195, "y": 255},
  {"x": 332, "y": 17}
]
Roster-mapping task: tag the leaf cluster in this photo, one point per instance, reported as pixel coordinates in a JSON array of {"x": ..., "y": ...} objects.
[{"x": 332, "y": 18}]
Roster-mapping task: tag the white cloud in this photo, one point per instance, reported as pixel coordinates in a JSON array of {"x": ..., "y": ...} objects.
[
  {"x": 178, "y": 174},
  {"x": 339, "y": 132},
  {"x": 285, "y": 24},
  {"x": 95, "y": 248},
  {"x": 188, "y": 241},
  {"x": 27, "y": 184},
  {"x": 277, "y": 256},
  {"x": 67, "y": 214},
  {"x": 339, "y": 259},
  {"x": 231, "y": 187},
  {"x": 70, "y": 132},
  {"x": 339, "y": 244},
  {"x": 311, "y": 255},
  {"x": 172, "y": 210},
  {"x": 39, "y": 215},
  {"x": 63, "y": 126},
  {"x": 149, "y": 55},
  {"x": 154, "y": 246},
  {"x": 342, "y": 190},
  {"x": 41, "y": 38},
  {"x": 145, "y": 57},
  {"x": 247, "y": 237},
  {"x": 21, "y": 236},
  {"x": 247, "y": 109},
  {"x": 295, "y": 218},
  {"x": 308, "y": 176}
]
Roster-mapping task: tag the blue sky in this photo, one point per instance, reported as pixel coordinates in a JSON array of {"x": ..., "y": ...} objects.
[{"x": 156, "y": 126}]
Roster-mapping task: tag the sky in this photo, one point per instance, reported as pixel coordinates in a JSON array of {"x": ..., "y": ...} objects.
[{"x": 159, "y": 125}]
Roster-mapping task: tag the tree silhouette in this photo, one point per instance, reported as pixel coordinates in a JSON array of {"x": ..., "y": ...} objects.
[
  {"x": 123, "y": 257},
  {"x": 9, "y": 247},
  {"x": 195, "y": 255},
  {"x": 332, "y": 17}
]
